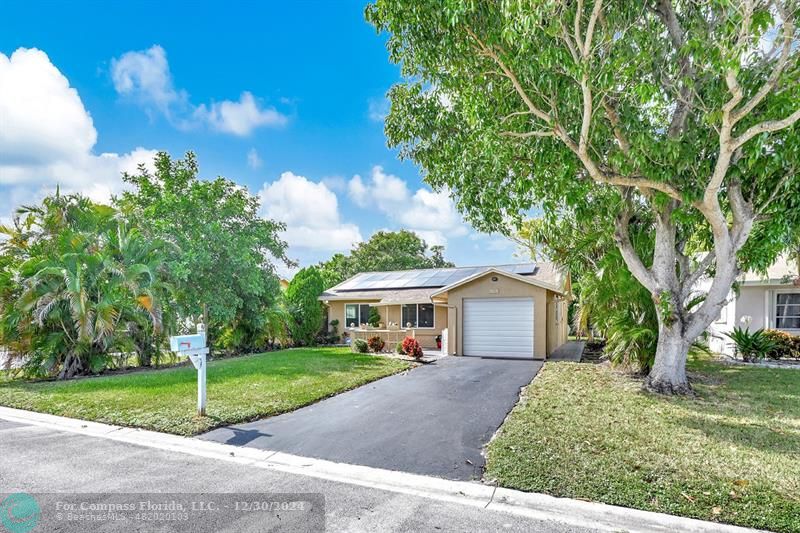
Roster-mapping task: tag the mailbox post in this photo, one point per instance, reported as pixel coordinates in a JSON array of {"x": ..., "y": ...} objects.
[{"x": 194, "y": 347}]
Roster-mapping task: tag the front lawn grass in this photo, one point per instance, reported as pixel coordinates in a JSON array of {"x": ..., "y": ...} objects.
[
  {"x": 732, "y": 454},
  {"x": 239, "y": 389}
]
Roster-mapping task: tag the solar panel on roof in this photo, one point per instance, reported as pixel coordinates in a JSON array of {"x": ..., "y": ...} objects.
[{"x": 438, "y": 277}]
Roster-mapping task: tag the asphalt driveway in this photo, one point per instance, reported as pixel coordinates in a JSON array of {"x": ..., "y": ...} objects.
[{"x": 432, "y": 420}]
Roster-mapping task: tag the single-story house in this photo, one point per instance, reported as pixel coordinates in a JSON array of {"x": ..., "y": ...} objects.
[
  {"x": 514, "y": 311},
  {"x": 769, "y": 301}
]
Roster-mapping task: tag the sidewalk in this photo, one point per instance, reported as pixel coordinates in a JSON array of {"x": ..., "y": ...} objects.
[{"x": 31, "y": 461}]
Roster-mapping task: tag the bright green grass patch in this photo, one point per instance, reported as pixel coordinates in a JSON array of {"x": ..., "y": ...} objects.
[
  {"x": 239, "y": 390},
  {"x": 732, "y": 454}
]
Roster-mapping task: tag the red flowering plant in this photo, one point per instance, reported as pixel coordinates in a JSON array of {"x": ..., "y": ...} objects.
[
  {"x": 412, "y": 348},
  {"x": 376, "y": 344}
]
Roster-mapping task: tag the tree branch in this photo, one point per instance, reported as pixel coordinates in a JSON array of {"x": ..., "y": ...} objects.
[
  {"x": 596, "y": 10},
  {"x": 527, "y": 134},
  {"x": 765, "y": 127},
  {"x": 623, "y": 238},
  {"x": 775, "y": 192},
  {"x": 488, "y": 51},
  {"x": 685, "y": 94},
  {"x": 772, "y": 81},
  {"x": 694, "y": 276},
  {"x": 613, "y": 118}
]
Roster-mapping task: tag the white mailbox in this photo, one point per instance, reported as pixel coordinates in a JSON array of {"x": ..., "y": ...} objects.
[
  {"x": 185, "y": 343},
  {"x": 194, "y": 347}
]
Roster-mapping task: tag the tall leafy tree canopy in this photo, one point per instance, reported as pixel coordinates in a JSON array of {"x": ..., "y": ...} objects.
[
  {"x": 385, "y": 250},
  {"x": 598, "y": 109},
  {"x": 302, "y": 303},
  {"x": 224, "y": 252}
]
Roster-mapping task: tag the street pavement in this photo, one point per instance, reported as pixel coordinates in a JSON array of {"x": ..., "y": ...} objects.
[{"x": 40, "y": 461}]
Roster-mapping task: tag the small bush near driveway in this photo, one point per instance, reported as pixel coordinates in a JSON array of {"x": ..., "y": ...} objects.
[
  {"x": 240, "y": 389},
  {"x": 359, "y": 346},
  {"x": 412, "y": 348},
  {"x": 729, "y": 455},
  {"x": 376, "y": 344}
]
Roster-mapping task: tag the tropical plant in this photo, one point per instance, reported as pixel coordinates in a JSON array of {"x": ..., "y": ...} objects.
[
  {"x": 302, "y": 302},
  {"x": 86, "y": 285},
  {"x": 359, "y": 346},
  {"x": 412, "y": 348},
  {"x": 398, "y": 348},
  {"x": 751, "y": 345},
  {"x": 680, "y": 109},
  {"x": 376, "y": 344}
]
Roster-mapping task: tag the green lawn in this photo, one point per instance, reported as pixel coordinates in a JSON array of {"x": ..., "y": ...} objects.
[
  {"x": 732, "y": 454},
  {"x": 239, "y": 389}
]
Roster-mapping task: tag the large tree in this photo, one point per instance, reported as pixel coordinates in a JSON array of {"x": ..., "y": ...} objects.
[
  {"x": 224, "y": 253},
  {"x": 596, "y": 108},
  {"x": 385, "y": 250}
]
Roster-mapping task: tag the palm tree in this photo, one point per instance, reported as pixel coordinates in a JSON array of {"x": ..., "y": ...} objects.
[{"x": 90, "y": 285}]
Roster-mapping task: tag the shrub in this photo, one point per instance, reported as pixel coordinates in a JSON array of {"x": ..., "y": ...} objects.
[
  {"x": 398, "y": 348},
  {"x": 786, "y": 344},
  {"x": 751, "y": 345},
  {"x": 374, "y": 317},
  {"x": 412, "y": 348},
  {"x": 376, "y": 344},
  {"x": 359, "y": 346}
]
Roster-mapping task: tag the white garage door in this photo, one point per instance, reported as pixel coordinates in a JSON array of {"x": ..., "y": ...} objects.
[{"x": 498, "y": 327}]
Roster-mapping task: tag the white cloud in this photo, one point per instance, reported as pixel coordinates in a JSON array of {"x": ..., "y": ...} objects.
[
  {"x": 426, "y": 212},
  {"x": 358, "y": 191},
  {"x": 47, "y": 136},
  {"x": 253, "y": 159},
  {"x": 43, "y": 118},
  {"x": 378, "y": 109},
  {"x": 145, "y": 77},
  {"x": 239, "y": 118},
  {"x": 432, "y": 237},
  {"x": 310, "y": 211},
  {"x": 335, "y": 183}
]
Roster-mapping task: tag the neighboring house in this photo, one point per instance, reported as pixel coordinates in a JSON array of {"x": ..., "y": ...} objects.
[
  {"x": 770, "y": 301},
  {"x": 284, "y": 284},
  {"x": 516, "y": 311}
]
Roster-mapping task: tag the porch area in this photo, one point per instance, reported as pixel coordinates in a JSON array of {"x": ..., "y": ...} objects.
[{"x": 392, "y": 322}]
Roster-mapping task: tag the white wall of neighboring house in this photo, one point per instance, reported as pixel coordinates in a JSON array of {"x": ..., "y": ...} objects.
[{"x": 755, "y": 303}]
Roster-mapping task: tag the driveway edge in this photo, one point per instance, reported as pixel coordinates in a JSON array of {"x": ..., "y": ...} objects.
[{"x": 539, "y": 506}]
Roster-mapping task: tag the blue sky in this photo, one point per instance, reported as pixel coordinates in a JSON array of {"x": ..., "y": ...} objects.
[{"x": 283, "y": 97}]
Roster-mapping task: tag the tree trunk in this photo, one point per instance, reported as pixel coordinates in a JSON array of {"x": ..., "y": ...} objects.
[{"x": 668, "y": 375}]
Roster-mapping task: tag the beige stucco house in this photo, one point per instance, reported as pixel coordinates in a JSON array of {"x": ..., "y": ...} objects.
[
  {"x": 768, "y": 300},
  {"x": 514, "y": 311}
]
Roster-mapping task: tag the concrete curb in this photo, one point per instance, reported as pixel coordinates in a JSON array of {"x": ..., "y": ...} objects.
[{"x": 538, "y": 506}]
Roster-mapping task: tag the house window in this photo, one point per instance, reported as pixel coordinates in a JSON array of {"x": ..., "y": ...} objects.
[
  {"x": 418, "y": 315},
  {"x": 787, "y": 310},
  {"x": 355, "y": 315}
]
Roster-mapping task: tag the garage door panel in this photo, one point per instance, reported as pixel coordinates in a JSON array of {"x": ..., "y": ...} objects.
[{"x": 498, "y": 327}]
